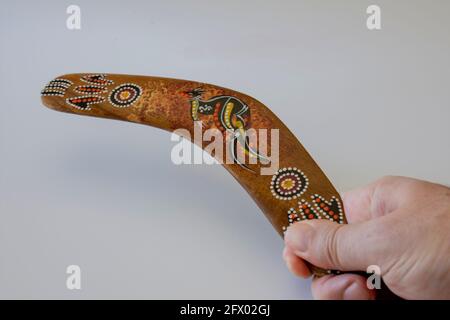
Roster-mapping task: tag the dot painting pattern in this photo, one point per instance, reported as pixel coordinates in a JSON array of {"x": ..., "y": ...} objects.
[
  {"x": 97, "y": 84},
  {"x": 91, "y": 89},
  {"x": 306, "y": 211},
  {"x": 288, "y": 183},
  {"x": 318, "y": 208},
  {"x": 56, "y": 87},
  {"x": 125, "y": 95},
  {"x": 84, "y": 102},
  {"x": 330, "y": 210},
  {"x": 92, "y": 92},
  {"x": 99, "y": 79},
  {"x": 293, "y": 216}
]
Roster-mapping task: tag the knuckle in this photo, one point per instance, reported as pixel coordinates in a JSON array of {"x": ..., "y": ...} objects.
[
  {"x": 330, "y": 252},
  {"x": 388, "y": 179}
]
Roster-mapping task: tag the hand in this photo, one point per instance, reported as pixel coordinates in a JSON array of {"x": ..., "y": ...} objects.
[{"x": 400, "y": 224}]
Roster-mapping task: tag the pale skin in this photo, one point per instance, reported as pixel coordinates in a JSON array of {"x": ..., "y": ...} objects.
[{"x": 400, "y": 224}]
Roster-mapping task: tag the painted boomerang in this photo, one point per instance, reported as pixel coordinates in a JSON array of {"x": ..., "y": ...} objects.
[{"x": 296, "y": 190}]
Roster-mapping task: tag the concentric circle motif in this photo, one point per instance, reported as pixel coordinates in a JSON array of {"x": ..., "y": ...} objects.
[
  {"x": 125, "y": 95},
  {"x": 288, "y": 183}
]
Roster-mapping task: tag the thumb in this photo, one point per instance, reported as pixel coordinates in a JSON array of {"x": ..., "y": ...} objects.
[{"x": 329, "y": 245}]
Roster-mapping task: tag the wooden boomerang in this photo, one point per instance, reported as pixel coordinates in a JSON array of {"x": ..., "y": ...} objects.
[{"x": 298, "y": 190}]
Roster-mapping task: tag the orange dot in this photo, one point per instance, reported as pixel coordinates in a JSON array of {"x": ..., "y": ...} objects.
[
  {"x": 288, "y": 184},
  {"x": 311, "y": 216},
  {"x": 124, "y": 95}
]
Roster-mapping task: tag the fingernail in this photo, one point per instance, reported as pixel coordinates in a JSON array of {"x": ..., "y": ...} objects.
[{"x": 300, "y": 237}]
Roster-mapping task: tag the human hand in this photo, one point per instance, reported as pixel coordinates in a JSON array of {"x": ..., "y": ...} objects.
[{"x": 400, "y": 224}]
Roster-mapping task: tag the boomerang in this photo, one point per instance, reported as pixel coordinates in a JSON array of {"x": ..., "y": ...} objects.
[{"x": 296, "y": 190}]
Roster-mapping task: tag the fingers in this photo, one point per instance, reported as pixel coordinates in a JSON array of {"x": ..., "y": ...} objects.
[
  {"x": 357, "y": 204},
  {"x": 342, "y": 287},
  {"x": 376, "y": 199},
  {"x": 367, "y": 240},
  {"x": 340, "y": 247},
  {"x": 295, "y": 264}
]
